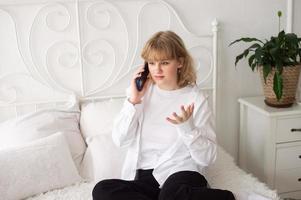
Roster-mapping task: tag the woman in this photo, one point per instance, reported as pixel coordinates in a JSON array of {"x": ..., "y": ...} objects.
[{"x": 168, "y": 128}]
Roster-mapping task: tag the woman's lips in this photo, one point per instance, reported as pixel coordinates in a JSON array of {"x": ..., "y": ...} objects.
[{"x": 159, "y": 77}]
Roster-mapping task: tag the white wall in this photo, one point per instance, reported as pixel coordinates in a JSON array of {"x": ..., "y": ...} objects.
[
  {"x": 296, "y": 28},
  {"x": 297, "y": 17},
  {"x": 253, "y": 18}
]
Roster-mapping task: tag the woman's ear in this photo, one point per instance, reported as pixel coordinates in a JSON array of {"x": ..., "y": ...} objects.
[{"x": 181, "y": 62}]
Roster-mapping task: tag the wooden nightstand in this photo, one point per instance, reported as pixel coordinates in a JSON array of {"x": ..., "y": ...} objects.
[{"x": 270, "y": 145}]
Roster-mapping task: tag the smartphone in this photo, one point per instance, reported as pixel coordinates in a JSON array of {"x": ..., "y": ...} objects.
[{"x": 140, "y": 81}]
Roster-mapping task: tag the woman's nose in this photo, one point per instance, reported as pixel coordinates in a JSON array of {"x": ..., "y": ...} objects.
[{"x": 158, "y": 68}]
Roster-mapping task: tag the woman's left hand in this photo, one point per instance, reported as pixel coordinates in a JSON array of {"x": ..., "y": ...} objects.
[{"x": 185, "y": 115}]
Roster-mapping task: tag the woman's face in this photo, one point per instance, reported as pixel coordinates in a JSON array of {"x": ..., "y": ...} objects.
[{"x": 164, "y": 73}]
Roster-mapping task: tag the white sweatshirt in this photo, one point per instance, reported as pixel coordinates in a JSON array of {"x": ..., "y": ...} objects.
[{"x": 156, "y": 143}]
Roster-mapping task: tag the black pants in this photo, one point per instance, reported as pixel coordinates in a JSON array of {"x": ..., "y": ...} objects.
[{"x": 184, "y": 185}]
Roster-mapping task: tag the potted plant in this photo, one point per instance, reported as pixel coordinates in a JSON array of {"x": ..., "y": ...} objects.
[{"x": 278, "y": 61}]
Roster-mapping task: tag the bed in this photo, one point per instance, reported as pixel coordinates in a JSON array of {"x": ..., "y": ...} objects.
[{"x": 72, "y": 61}]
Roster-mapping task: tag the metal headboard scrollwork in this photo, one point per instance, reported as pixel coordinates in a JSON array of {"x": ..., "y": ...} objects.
[{"x": 85, "y": 48}]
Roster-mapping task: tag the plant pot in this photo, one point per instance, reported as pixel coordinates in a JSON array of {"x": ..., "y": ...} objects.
[{"x": 290, "y": 83}]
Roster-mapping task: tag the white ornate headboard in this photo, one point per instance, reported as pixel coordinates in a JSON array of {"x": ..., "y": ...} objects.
[{"x": 52, "y": 49}]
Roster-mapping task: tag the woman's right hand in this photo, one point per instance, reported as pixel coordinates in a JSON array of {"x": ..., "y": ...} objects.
[{"x": 137, "y": 95}]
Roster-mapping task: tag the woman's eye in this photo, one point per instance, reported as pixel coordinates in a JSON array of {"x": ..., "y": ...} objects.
[{"x": 165, "y": 63}]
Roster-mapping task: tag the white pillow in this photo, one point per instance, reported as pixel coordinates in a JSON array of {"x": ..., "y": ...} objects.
[
  {"x": 107, "y": 158},
  {"x": 97, "y": 119},
  {"x": 43, "y": 123},
  {"x": 87, "y": 170},
  {"x": 36, "y": 167}
]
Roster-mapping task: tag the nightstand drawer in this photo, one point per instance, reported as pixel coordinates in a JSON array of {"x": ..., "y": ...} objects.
[
  {"x": 288, "y": 129},
  {"x": 288, "y": 180},
  {"x": 288, "y": 157}
]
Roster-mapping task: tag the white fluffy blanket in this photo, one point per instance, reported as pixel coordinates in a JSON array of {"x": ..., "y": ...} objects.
[{"x": 224, "y": 174}]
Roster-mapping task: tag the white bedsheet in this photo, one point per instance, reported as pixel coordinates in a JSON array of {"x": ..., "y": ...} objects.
[
  {"x": 78, "y": 191},
  {"x": 224, "y": 174},
  {"x": 83, "y": 191}
]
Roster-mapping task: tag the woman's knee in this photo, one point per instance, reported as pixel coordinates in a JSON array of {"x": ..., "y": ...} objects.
[
  {"x": 179, "y": 184},
  {"x": 190, "y": 178},
  {"x": 229, "y": 195},
  {"x": 103, "y": 189}
]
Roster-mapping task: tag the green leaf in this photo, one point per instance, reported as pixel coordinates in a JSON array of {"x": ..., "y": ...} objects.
[
  {"x": 266, "y": 70},
  {"x": 253, "y": 66},
  {"x": 254, "y": 46},
  {"x": 281, "y": 34},
  {"x": 275, "y": 52},
  {"x": 279, "y": 66},
  {"x": 278, "y": 85},
  {"x": 246, "y": 52},
  {"x": 247, "y": 39},
  {"x": 291, "y": 37},
  {"x": 251, "y": 59},
  {"x": 239, "y": 57},
  {"x": 258, "y": 55}
]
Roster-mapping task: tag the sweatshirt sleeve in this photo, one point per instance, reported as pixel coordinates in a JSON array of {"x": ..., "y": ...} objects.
[
  {"x": 126, "y": 123},
  {"x": 198, "y": 133}
]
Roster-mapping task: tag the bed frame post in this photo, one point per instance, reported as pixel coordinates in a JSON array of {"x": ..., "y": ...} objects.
[
  {"x": 289, "y": 20},
  {"x": 215, "y": 65}
]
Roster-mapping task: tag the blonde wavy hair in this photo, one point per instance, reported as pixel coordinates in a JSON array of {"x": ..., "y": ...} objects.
[{"x": 165, "y": 45}]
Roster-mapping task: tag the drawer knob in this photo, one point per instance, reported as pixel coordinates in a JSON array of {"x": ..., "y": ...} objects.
[
  {"x": 296, "y": 130},
  {"x": 300, "y": 156},
  {"x": 299, "y": 179}
]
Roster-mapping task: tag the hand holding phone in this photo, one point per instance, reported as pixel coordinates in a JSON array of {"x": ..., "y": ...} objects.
[{"x": 140, "y": 81}]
